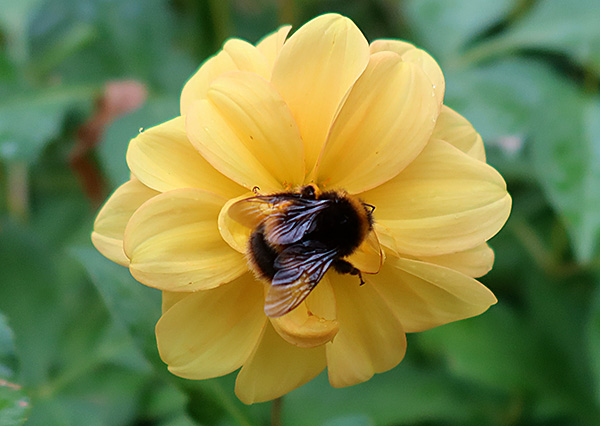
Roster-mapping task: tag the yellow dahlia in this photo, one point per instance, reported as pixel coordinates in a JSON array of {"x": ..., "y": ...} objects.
[{"x": 325, "y": 108}]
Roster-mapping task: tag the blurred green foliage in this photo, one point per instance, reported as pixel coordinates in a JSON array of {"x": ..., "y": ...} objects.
[{"x": 76, "y": 331}]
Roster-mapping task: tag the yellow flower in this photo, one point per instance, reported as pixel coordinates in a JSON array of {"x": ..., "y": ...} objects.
[{"x": 325, "y": 108}]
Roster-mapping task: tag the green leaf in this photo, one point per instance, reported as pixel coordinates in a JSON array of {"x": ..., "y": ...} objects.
[
  {"x": 29, "y": 121},
  {"x": 15, "y": 19},
  {"x": 116, "y": 139},
  {"x": 134, "y": 306},
  {"x": 568, "y": 27},
  {"x": 29, "y": 284},
  {"x": 509, "y": 351},
  {"x": 14, "y": 403},
  {"x": 566, "y": 154},
  {"x": 493, "y": 349},
  {"x": 86, "y": 41},
  {"x": 526, "y": 113},
  {"x": 593, "y": 344},
  {"x": 445, "y": 26},
  {"x": 405, "y": 395}
]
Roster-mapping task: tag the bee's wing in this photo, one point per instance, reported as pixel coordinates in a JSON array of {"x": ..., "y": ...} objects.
[
  {"x": 251, "y": 211},
  {"x": 287, "y": 217},
  {"x": 299, "y": 268},
  {"x": 288, "y": 224}
]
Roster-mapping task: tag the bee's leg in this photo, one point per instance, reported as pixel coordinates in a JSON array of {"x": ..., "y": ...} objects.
[
  {"x": 362, "y": 282},
  {"x": 345, "y": 267}
]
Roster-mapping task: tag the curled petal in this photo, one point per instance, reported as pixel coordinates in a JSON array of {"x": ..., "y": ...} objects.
[
  {"x": 237, "y": 55},
  {"x": 371, "y": 339},
  {"x": 271, "y": 45},
  {"x": 210, "y": 333},
  {"x": 475, "y": 262},
  {"x": 112, "y": 219},
  {"x": 174, "y": 243},
  {"x": 276, "y": 367},
  {"x": 163, "y": 158},
  {"x": 384, "y": 123},
  {"x": 246, "y": 131},
  {"x": 368, "y": 257},
  {"x": 409, "y": 53},
  {"x": 423, "y": 295},
  {"x": 236, "y": 233},
  {"x": 304, "y": 327},
  {"x": 304, "y": 330},
  {"x": 315, "y": 68},
  {"x": 444, "y": 202},
  {"x": 457, "y": 131}
]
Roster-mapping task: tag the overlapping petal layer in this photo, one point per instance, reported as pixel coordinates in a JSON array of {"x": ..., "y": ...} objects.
[
  {"x": 409, "y": 53},
  {"x": 112, "y": 219},
  {"x": 313, "y": 323},
  {"x": 424, "y": 295},
  {"x": 237, "y": 55},
  {"x": 163, "y": 158},
  {"x": 174, "y": 243},
  {"x": 371, "y": 339},
  {"x": 271, "y": 45},
  {"x": 211, "y": 333},
  {"x": 457, "y": 131},
  {"x": 443, "y": 202},
  {"x": 315, "y": 68},
  {"x": 246, "y": 131},
  {"x": 288, "y": 367},
  {"x": 384, "y": 123},
  {"x": 475, "y": 262}
]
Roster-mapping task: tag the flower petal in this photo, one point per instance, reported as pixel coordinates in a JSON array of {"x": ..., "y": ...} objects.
[
  {"x": 270, "y": 46},
  {"x": 457, "y": 131},
  {"x": 444, "y": 202},
  {"x": 163, "y": 158},
  {"x": 112, "y": 219},
  {"x": 237, "y": 55},
  {"x": 368, "y": 257},
  {"x": 409, "y": 53},
  {"x": 475, "y": 262},
  {"x": 304, "y": 327},
  {"x": 304, "y": 330},
  {"x": 246, "y": 131},
  {"x": 384, "y": 123},
  {"x": 174, "y": 243},
  {"x": 423, "y": 295},
  {"x": 170, "y": 299},
  {"x": 371, "y": 339},
  {"x": 276, "y": 368},
  {"x": 212, "y": 332},
  {"x": 236, "y": 234},
  {"x": 315, "y": 68}
]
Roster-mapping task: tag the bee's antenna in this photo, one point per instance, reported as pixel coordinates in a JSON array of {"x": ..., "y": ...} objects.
[{"x": 255, "y": 190}]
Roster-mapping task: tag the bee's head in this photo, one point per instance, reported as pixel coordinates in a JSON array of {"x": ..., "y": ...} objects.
[{"x": 310, "y": 192}]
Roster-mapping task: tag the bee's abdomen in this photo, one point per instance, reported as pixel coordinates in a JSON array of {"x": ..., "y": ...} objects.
[{"x": 262, "y": 255}]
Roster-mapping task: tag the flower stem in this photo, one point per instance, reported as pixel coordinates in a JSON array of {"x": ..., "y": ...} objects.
[
  {"x": 276, "y": 411},
  {"x": 18, "y": 190}
]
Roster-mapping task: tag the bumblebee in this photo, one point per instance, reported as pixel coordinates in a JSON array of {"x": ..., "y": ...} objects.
[{"x": 299, "y": 237}]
